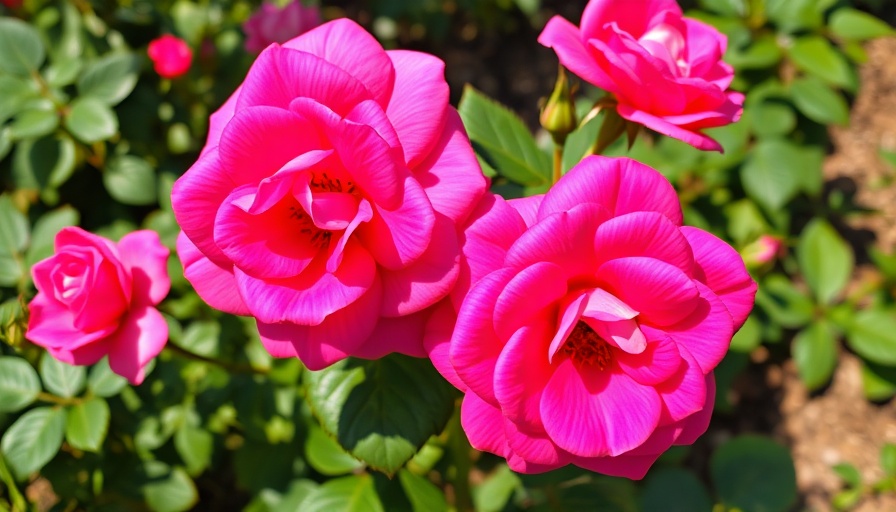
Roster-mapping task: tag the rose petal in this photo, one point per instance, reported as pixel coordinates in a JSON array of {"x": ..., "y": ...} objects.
[{"x": 141, "y": 336}]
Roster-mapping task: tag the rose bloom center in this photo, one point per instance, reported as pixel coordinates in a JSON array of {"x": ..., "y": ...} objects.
[{"x": 586, "y": 347}]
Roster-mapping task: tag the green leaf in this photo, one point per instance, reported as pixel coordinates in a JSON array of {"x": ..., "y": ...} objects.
[
  {"x": 849, "y": 474},
  {"x": 43, "y": 164},
  {"x": 194, "y": 445},
  {"x": 111, "y": 78},
  {"x": 816, "y": 56},
  {"x": 423, "y": 494},
  {"x": 772, "y": 173},
  {"x": 381, "y": 411},
  {"x": 19, "y": 385},
  {"x": 43, "y": 235},
  {"x": 763, "y": 52},
  {"x": 326, "y": 456},
  {"x": 354, "y": 493},
  {"x": 503, "y": 140},
  {"x": 15, "y": 93},
  {"x": 11, "y": 271},
  {"x": 817, "y": 101},
  {"x": 21, "y": 47},
  {"x": 102, "y": 381},
  {"x": 62, "y": 73},
  {"x": 169, "y": 489},
  {"x": 605, "y": 494},
  {"x": 815, "y": 354},
  {"x": 772, "y": 118},
  {"x": 33, "y": 440},
  {"x": 853, "y": 24},
  {"x": 13, "y": 227},
  {"x": 130, "y": 180},
  {"x": 783, "y": 303},
  {"x": 60, "y": 378},
  {"x": 888, "y": 459},
  {"x": 825, "y": 260},
  {"x": 748, "y": 337},
  {"x": 90, "y": 120},
  {"x": 87, "y": 424},
  {"x": 754, "y": 474},
  {"x": 795, "y": 15},
  {"x": 878, "y": 381},
  {"x": 493, "y": 494},
  {"x": 34, "y": 123},
  {"x": 873, "y": 335},
  {"x": 202, "y": 337},
  {"x": 727, "y": 8},
  {"x": 690, "y": 494}
]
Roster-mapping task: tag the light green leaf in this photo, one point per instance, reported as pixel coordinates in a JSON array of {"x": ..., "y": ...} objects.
[
  {"x": 87, "y": 424},
  {"x": 381, "y": 411},
  {"x": 878, "y": 381},
  {"x": 773, "y": 118},
  {"x": 754, "y": 474},
  {"x": 91, "y": 120},
  {"x": 34, "y": 123},
  {"x": 690, "y": 494},
  {"x": 194, "y": 445},
  {"x": 817, "y": 101},
  {"x": 326, "y": 456},
  {"x": 11, "y": 271},
  {"x": 873, "y": 335},
  {"x": 21, "y": 47},
  {"x": 503, "y": 140},
  {"x": 853, "y": 24},
  {"x": 13, "y": 228},
  {"x": 61, "y": 378},
  {"x": 783, "y": 302},
  {"x": 748, "y": 337},
  {"x": 130, "y": 180},
  {"x": 771, "y": 173},
  {"x": 169, "y": 489},
  {"x": 19, "y": 385},
  {"x": 202, "y": 337},
  {"x": 15, "y": 93},
  {"x": 423, "y": 494},
  {"x": 493, "y": 494},
  {"x": 815, "y": 354},
  {"x": 111, "y": 78},
  {"x": 33, "y": 440},
  {"x": 43, "y": 235},
  {"x": 815, "y": 55},
  {"x": 102, "y": 381},
  {"x": 795, "y": 15},
  {"x": 62, "y": 73},
  {"x": 354, "y": 493},
  {"x": 825, "y": 259},
  {"x": 888, "y": 459}
]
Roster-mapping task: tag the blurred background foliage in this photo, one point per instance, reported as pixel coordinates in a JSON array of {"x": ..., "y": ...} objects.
[{"x": 91, "y": 136}]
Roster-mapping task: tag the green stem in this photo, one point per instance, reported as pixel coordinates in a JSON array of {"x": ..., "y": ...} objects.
[
  {"x": 18, "y": 501},
  {"x": 58, "y": 400},
  {"x": 460, "y": 451},
  {"x": 227, "y": 365},
  {"x": 558, "y": 162}
]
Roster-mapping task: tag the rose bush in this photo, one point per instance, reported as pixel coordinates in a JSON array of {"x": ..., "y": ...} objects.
[
  {"x": 272, "y": 24},
  {"x": 327, "y": 198},
  {"x": 593, "y": 324},
  {"x": 171, "y": 56},
  {"x": 664, "y": 70},
  {"x": 98, "y": 298}
]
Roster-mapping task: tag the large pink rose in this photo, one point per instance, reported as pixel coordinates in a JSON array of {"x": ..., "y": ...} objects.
[
  {"x": 96, "y": 298},
  {"x": 272, "y": 24},
  {"x": 664, "y": 70},
  {"x": 593, "y": 324},
  {"x": 327, "y": 199}
]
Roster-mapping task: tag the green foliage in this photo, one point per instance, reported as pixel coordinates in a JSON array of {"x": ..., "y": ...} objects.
[{"x": 754, "y": 474}]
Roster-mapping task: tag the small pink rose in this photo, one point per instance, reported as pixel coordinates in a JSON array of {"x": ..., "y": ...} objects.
[
  {"x": 272, "y": 24},
  {"x": 96, "y": 298},
  {"x": 665, "y": 70},
  {"x": 171, "y": 56},
  {"x": 762, "y": 251},
  {"x": 589, "y": 322},
  {"x": 329, "y": 198}
]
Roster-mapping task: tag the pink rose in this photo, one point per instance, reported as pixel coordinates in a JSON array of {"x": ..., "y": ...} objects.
[
  {"x": 171, "y": 56},
  {"x": 96, "y": 298},
  {"x": 271, "y": 24},
  {"x": 326, "y": 201},
  {"x": 593, "y": 324},
  {"x": 665, "y": 70},
  {"x": 762, "y": 251}
]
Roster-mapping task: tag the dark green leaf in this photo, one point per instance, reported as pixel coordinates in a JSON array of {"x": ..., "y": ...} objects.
[
  {"x": 61, "y": 378},
  {"x": 763, "y": 52},
  {"x": 825, "y": 259},
  {"x": 194, "y": 445},
  {"x": 102, "y": 381},
  {"x": 169, "y": 489},
  {"x": 19, "y": 385},
  {"x": 354, "y": 493},
  {"x": 817, "y": 101},
  {"x": 111, "y": 78},
  {"x": 87, "y": 424},
  {"x": 130, "y": 180},
  {"x": 381, "y": 411},
  {"x": 816, "y": 56},
  {"x": 34, "y": 123},
  {"x": 44, "y": 163},
  {"x": 90, "y": 120},
  {"x": 783, "y": 302},
  {"x": 873, "y": 335},
  {"x": 20, "y": 46},
  {"x": 853, "y": 24},
  {"x": 44, "y": 233},
  {"x": 815, "y": 354},
  {"x": 423, "y": 495},
  {"x": 33, "y": 440},
  {"x": 501, "y": 138},
  {"x": 605, "y": 494},
  {"x": 754, "y": 474},
  {"x": 326, "y": 456},
  {"x": 689, "y": 493}
]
